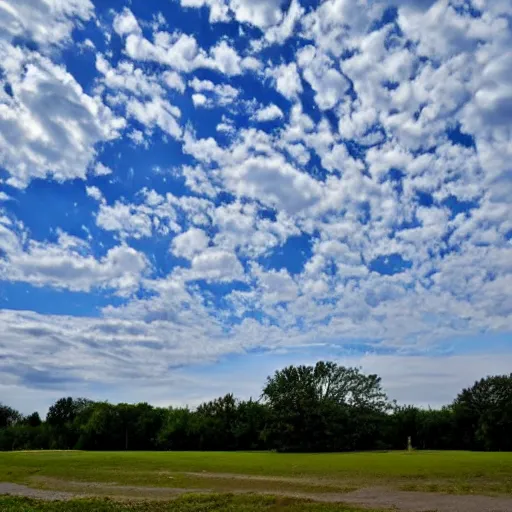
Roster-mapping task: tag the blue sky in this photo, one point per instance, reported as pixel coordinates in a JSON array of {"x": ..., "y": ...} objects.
[{"x": 194, "y": 193}]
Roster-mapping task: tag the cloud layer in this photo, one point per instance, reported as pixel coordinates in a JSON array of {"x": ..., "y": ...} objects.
[{"x": 332, "y": 175}]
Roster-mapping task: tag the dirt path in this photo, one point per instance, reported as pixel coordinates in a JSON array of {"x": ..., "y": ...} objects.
[
  {"x": 28, "y": 492},
  {"x": 374, "y": 497}
]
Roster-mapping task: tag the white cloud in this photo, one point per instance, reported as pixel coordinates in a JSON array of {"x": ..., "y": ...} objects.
[
  {"x": 251, "y": 64},
  {"x": 126, "y": 77},
  {"x": 241, "y": 229},
  {"x": 268, "y": 113},
  {"x": 226, "y": 59},
  {"x": 68, "y": 264},
  {"x": 49, "y": 125},
  {"x": 260, "y": 13},
  {"x": 102, "y": 170},
  {"x": 126, "y": 23},
  {"x": 198, "y": 181},
  {"x": 95, "y": 193},
  {"x": 201, "y": 85},
  {"x": 278, "y": 34},
  {"x": 181, "y": 52},
  {"x": 137, "y": 137},
  {"x": 125, "y": 219},
  {"x": 138, "y": 220},
  {"x": 190, "y": 243},
  {"x": 219, "y": 11},
  {"x": 215, "y": 265},
  {"x": 210, "y": 94},
  {"x": 328, "y": 83},
  {"x": 276, "y": 286},
  {"x": 287, "y": 80},
  {"x": 273, "y": 181},
  {"x": 199, "y": 100},
  {"x": 174, "y": 81},
  {"x": 336, "y": 25},
  {"x": 46, "y": 22},
  {"x": 156, "y": 113}
]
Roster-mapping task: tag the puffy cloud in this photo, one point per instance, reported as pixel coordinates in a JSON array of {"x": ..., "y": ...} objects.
[
  {"x": 68, "y": 264},
  {"x": 215, "y": 264},
  {"x": 95, "y": 193},
  {"x": 126, "y": 23},
  {"x": 199, "y": 100},
  {"x": 328, "y": 83},
  {"x": 46, "y": 22},
  {"x": 226, "y": 59},
  {"x": 253, "y": 169},
  {"x": 219, "y": 10},
  {"x": 287, "y": 80},
  {"x": 273, "y": 181},
  {"x": 190, "y": 243},
  {"x": 179, "y": 51},
  {"x": 241, "y": 229},
  {"x": 138, "y": 220},
  {"x": 126, "y": 77},
  {"x": 210, "y": 94},
  {"x": 275, "y": 286},
  {"x": 336, "y": 25},
  {"x": 174, "y": 81},
  {"x": 268, "y": 113},
  {"x": 260, "y": 13},
  {"x": 156, "y": 113},
  {"x": 49, "y": 126},
  {"x": 278, "y": 34}
]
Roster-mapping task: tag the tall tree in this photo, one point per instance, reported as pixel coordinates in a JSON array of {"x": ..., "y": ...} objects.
[
  {"x": 319, "y": 407},
  {"x": 325, "y": 382},
  {"x": 33, "y": 420},
  {"x": 8, "y": 416},
  {"x": 484, "y": 414}
]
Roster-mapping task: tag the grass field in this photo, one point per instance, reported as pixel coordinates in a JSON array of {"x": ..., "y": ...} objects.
[
  {"x": 457, "y": 472},
  {"x": 214, "y": 503},
  {"x": 300, "y": 474}
]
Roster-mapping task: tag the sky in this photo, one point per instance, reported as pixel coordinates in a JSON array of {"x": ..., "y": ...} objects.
[{"x": 195, "y": 193}]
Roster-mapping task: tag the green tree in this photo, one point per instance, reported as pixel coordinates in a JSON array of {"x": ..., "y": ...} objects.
[
  {"x": 65, "y": 418},
  {"x": 217, "y": 420},
  {"x": 8, "y": 416},
  {"x": 483, "y": 414},
  {"x": 321, "y": 407},
  {"x": 180, "y": 430},
  {"x": 33, "y": 420}
]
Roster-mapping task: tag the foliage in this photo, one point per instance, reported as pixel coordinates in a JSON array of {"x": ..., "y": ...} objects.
[
  {"x": 318, "y": 408},
  {"x": 483, "y": 414},
  {"x": 8, "y": 416}
]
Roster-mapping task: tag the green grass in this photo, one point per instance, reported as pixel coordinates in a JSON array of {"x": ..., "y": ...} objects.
[
  {"x": 224, "y": 503},
  {"x": 452, "y": 472}
]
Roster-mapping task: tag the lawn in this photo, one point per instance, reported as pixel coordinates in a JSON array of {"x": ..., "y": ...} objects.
[
  {"x": 219, "y": 503},
  {"x": 448, "y": 472}
]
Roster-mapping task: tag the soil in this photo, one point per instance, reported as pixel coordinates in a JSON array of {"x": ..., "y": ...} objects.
[{"x": 373, "y": 497}]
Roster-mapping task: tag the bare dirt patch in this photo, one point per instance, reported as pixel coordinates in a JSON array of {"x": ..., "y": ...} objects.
[
  {"x": 259, "y": 478},
  {"x": 39, "y": 494},
  {"x": 426, "y": 501}
]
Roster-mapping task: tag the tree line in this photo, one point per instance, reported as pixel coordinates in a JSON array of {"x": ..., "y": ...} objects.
[{"x": 318, "y": 408}]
